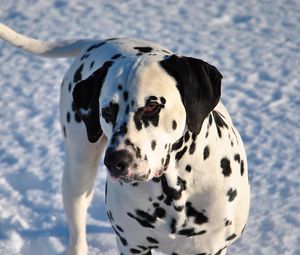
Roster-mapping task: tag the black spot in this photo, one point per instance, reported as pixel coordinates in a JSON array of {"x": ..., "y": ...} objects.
[
  {"x": 132, "y": 102},
  {"x": 207, "y": 132},
  {"x": 177, "y": 145},
  {"x": 173, "y": 225},
  {"x": 174, "y": 124},
  {"x": 122, "y": 239},
  {"x": 129, "y": 143},
  {"x": 77, "y": 75},
  {"x": 143, "y": 248},
  {"x": 232, "y": 193},
  {"x": 228, "y": 222},
  {"x": 210, "y": 120},
  {"x": 206, "y": 152},
  {"x": 193, "y": 144},
  {"x": 119, "y": 228},
  {"x": 127, "y": 109},
  {"x": 225, "y": 165},
  {"x": 116, "y": 56},
  {"x": 237, "y": 140},
  {"x": 231, "y": 237},
  {"x": 243, "y": 229},
  {"x": 120, "y": 87},
  {"x": 188, "y": 168},
  {"x": 178, "y": 208},
  {"x": 135, "y": 251},
  {"x": 159, "y": 212},
  {"x": 200, "y": 218},
  {"x": 153, "y": 145},
  {"x": 220, "y": 123},
  {"x": 163, "y": 100},
  {"x": 161, "y": 197},
  {"x": 143, "y": 222},
  {"x": 170, "y": 192},
  {"x": 143, "y": 49},
  {"x": 125, "y": 95},
  {"x": 220, "y": 251},
  {"x": 84, "y": 56},
  {"x": 92, "y": 64},
  {"x": 181, "y": 183},
  {"x": 68, "y": 117},
  {"x": 64, "y": 131},
  {"x": 138, "y": 152},
  {"x": 165, "y": 51},
  {"x": 152, "y": 240},
  {"x": 187, "y": 136},
  {"x": 151, "y": 247},
  {"x": 110, "y": 112},
  {"x": 190, "y": 232},
  {"x": 139, "y": 54},
  {"x": 180, "y": 154},
  {"x": 105, "y": 193},
  {"x": 95, "y": 46},
  {"x": 144, "y": 215},
  {"x": 237, "y": 158},
  {"x": 110, "y": 216},
  {"x": 242, "y": 168},
  {"x": 192, "y": 148},
  {"x": 70, "y": 87}
]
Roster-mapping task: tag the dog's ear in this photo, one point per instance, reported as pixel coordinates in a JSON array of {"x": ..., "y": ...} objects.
[
  {"x": 199, "y": 84},
  {"x": 86, "y": 101}
]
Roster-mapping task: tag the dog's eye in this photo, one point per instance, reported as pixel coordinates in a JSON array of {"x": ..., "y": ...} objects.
[
  {"x": 151, "y": 108},
  {"x": 107, "y": 113}
]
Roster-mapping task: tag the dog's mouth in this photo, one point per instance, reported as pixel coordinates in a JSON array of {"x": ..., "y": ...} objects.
[{"x": 130, "y": 177}]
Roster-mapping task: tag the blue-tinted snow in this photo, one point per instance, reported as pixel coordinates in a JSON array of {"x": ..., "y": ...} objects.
[{"x": 255, "y": 44}]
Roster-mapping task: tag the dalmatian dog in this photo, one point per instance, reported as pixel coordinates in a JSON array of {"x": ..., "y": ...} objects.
[{"x": 177, "y": 169}]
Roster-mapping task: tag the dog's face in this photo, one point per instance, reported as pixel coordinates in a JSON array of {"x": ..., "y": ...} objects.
[
  {"x": 143, "y": 108},
  {"x": 142, "y": 116}
]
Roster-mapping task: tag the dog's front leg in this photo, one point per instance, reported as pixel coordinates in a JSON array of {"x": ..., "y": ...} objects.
[{"x": 77, "y": 188}]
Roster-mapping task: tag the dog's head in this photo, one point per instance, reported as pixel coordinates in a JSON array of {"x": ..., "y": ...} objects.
[{"x": 143, "y": 108}]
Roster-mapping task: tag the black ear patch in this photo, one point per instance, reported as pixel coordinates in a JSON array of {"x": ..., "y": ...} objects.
[
  {"x": 199, "y": 84},
  {"x": 86, "y": 100}
]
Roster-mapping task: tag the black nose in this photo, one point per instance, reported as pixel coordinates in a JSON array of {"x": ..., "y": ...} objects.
[{"x": 117, "y": 162}]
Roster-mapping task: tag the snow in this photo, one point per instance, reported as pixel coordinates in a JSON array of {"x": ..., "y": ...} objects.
[{"x": 255, "y": 44}]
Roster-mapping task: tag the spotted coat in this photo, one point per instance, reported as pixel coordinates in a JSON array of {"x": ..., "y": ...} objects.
[{"x": 177, "y": 170}]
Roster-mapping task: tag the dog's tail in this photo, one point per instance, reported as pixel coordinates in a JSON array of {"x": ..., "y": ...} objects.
[{"x": 63, "y": 49}]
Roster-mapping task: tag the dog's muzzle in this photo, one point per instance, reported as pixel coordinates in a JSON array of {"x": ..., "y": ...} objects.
[{"x": 117, "y": 162}]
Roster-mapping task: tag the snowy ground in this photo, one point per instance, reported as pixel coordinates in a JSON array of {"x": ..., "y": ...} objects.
[{"x": 255, "y": 44}]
